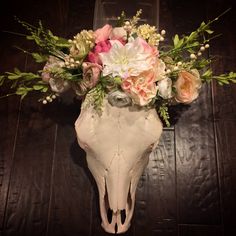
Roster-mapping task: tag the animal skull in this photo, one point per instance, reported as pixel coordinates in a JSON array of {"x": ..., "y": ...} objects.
[{"x": 117, "y": 143}]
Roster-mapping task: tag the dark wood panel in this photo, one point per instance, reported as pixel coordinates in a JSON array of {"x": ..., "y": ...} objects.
[
  {"x": 9, "y": 112},
  {"x": 197, "y": 186},
  {"x": 225, "y": 113},
  {"x": 155, "y": 212},
  {"x": 71, "y": 200},
  {"x": 200, "y": 230},
  {"x": 59, "y": 177},
  {"x": 27, "y": 204},
  {"x": 72, "y": 186}
]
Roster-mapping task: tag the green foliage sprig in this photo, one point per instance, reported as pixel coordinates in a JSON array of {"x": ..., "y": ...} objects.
[
  {"x": 24, "y": 82},
  {"x": 95, "y": 98},
  {"x": 48, "y": 43},
  {"x": 163, "y": 112}
]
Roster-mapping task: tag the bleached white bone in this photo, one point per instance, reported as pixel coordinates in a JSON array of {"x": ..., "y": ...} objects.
[{"x": 117, "y": 143}]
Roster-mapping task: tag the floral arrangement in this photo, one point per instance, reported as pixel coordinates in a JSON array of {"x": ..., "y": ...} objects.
[{"x": 129, "y": 63}]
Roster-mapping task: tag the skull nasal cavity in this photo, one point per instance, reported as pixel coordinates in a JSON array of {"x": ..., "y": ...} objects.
[
  {"x": 123, "y": 216},
  {"x": 109, "y": 215}
]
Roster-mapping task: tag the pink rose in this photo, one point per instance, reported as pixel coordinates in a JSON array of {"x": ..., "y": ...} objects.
[
  {"x": 103, "y": 33},
  {"x": 187, "y": 86},
  {"x": 148, "y": 48},
  {"x": 142, "y": 88},
  {"x": 103, "y": 46},
  {"x": 91, "y": 74}
]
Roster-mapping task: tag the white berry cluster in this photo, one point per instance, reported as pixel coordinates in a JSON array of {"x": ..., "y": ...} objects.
[
  {"x": 71, "y": 63},
  {"x": 199, "y": 53},
  {"x": 49, "y": 98}
]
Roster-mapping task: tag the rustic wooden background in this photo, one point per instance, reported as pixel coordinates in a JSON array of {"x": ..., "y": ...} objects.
[{"x": 189, "y": 187}]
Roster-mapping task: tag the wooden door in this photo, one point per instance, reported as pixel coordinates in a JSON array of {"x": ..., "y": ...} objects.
[{"x": 189, "y": 186}]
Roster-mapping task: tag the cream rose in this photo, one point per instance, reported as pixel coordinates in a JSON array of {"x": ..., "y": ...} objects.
[
  {"x": 187, "y": 86},
  {"x": 118, "y": 33},
  {"x": 165, "y": 88}
]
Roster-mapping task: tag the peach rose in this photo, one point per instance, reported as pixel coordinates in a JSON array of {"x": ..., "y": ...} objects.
[
  {"x": 187, "y": 86},
  {"x": 142, "y": 88},
  {"x": 103, "y": 33}
]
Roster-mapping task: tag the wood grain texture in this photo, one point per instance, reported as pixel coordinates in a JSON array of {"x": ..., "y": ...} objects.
[
  {"x": 9, "y": 112},
  {"x": 197, "y": 186},
  {"x": 189, "y": 186},
  {"x": 200, "y": 230},
  {"x": 156, "y": 192},
  {"x": 225, "y": 113},
  {"x": 27, "y": 203},
  {"x": 70, "y": 177},
  {"x": 71, "y": 190}
]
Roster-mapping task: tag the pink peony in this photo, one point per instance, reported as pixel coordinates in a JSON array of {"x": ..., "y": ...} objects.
[
  {"x": 103, "y": 33},
  {"x": 103, "y": 46},
  {"x": 187, "y": 86},
  {"x": 142, "y": 88}
]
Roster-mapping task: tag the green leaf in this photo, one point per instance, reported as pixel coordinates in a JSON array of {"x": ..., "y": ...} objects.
[
  {"x": 23, "y": 91},
  {"x": 13, "y": 76},
  {"x": 63, "y": 43},
  {"x": 209, "y": 31},
  {"x": 192, "y": 36},
  {"x": 38, "y": 87},
  {"x": 39, "y": 58},
  {"x": 2, "y": 79},
  {"x": 29, "y": 37},
  {"x": 176, "y": 40},
  {"x": 180, "y": 43},
  {"x": 207, "y": 73},
  {"x": 45, "y": 89},
  {"x": 203, "y": 24}
]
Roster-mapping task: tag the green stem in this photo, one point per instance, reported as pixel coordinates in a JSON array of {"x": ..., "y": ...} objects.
[{"x": 8, "y": 95}]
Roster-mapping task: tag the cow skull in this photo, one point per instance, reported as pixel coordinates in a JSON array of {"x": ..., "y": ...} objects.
[{"x": 117, "y": 143}]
